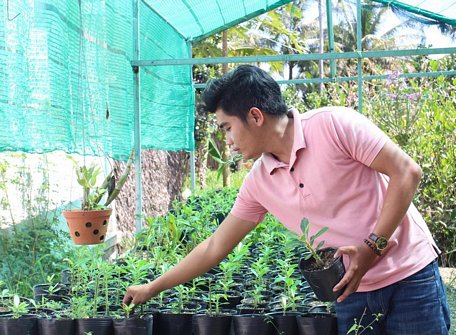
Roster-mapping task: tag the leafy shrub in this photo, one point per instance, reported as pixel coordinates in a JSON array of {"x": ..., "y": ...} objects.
[
  {"x": 33, "y": 248},
  {"x": 421, "y": 117}
]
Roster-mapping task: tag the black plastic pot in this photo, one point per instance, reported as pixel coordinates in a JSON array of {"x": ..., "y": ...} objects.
[
  {"x": 252, "y": 324},
  {"x": 317, "y": 324},
  {"x": 323, "y": 281},
  {"x": 208, "y": 325},
  {"x": 171, "y": 324},
  {"x": 56, "y": 326},
  {"x": 133, "y": 326},
  {"x": 25, "y": 325},
  {"x": 285, "y": 324},
  {"x": 98, "y": 326}
]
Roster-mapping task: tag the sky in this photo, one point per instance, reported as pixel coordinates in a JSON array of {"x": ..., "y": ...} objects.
[
  {"x": 433, "y": 34},
  {"x": 443, "y": 7}
]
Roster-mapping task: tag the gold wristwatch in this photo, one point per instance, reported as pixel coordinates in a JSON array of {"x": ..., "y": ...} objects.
[{"x": 377, "y": 243}]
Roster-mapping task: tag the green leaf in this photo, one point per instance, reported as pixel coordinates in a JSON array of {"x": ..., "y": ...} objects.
[
  {"x": 353, "y": 328},
  {"x": 213, "y": 151},
  {"x": 320, "y": 232},
  {"x": 305, "y": 227}
]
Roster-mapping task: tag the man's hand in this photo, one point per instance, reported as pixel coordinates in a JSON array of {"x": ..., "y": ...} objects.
[
  {"x": 138, "y": 294},
  {"x": 361, "y": 259}
]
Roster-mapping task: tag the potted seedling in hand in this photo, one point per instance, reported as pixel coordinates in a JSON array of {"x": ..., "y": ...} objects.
[
  {"x": 89, "y": 224},
  {"x": 319, "y": 267}
]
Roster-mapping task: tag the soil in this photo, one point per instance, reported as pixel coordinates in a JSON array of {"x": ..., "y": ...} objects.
[{"x": 327, "y": 257}]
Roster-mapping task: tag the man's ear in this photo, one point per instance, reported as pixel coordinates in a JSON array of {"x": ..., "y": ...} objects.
[{"x": 255, "y": 116}]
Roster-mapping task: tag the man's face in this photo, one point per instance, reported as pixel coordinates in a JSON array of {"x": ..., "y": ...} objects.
[{"x": 241, "y": 137}]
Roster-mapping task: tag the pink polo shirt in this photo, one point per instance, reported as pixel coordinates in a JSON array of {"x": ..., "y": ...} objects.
[{"x": 328, "y": 181}]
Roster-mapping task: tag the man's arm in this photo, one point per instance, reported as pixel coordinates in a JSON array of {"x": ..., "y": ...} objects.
[
  {"x": 404, "y": 177},
  {"x": 206, "y": 255}
]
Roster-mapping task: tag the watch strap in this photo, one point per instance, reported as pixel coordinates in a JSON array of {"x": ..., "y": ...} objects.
[{"x": 373, "y": 246}]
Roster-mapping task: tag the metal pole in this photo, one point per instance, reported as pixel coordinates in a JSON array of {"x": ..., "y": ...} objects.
[
  {"x": 359, "y": 48},
  {"x": 296, "y": 57},
  {"x": 137, "y": 125},
  {"x": 192, "y": 171},
  {"x": 321, "y": 47},
  {"x": 192, "y": 153},
  {"x": 330, "y": 36}
]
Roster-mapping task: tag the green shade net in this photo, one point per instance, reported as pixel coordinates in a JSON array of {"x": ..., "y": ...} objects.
[
  {"x": 418, "y": 14},
  {"x": 167, "y": 29},
  {"x": 66, "y": 81},
  {"x": 196, "y": 19},
  {"x": 167, "y": 97},
  {"x": 62, "y": 67}
]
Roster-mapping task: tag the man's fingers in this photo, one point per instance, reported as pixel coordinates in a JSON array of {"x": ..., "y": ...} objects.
[
  {"x": 351, "y": 287},
  {"x": 344, "y": 295},
  {"x": 344, "y": 251},
  {"x": 345, "y": 280},
  {"x": 127, "y": 300}
]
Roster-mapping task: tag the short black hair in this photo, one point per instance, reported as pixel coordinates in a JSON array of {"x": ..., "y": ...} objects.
[{"x": 244, "y": 87}]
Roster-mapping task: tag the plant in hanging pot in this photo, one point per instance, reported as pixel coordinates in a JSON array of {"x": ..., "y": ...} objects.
[
  {"x": 89, "y": 224},
  {"x": 319, "y": 267}
]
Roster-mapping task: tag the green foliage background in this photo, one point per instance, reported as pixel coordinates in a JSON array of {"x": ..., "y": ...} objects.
[
  {"x": 420, "y": 115},
  {"x": 33, "y": 248}
]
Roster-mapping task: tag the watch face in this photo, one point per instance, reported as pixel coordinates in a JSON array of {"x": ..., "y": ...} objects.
[{"x": 382, "y": 243}]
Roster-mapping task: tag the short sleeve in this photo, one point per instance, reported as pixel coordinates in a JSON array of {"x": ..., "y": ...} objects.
[
  {"x": 360, "y": 138},
  {"x": 246, "y": 207}
]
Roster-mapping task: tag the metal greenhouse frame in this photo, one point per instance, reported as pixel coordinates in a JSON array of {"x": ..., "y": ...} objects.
[
  {"x": 96, "y": 78},
  {"x": 331, "y": 55}
]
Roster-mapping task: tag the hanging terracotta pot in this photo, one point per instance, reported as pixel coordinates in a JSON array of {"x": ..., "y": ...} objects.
[{"x": 88, "y": 227}]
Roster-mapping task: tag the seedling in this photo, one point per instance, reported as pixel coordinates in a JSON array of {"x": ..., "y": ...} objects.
[
  {"x": 310, "y": 241},
  {"x": 357, "y": 328},
  {"x": 128, "y": 309},
  {"x": 18, "y": 307}
]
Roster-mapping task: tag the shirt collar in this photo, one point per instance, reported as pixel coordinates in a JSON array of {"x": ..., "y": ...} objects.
[{"x": 271, "y": 163}]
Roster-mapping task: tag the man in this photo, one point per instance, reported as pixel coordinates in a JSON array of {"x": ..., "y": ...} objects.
[{"x": 336, "y": 168}]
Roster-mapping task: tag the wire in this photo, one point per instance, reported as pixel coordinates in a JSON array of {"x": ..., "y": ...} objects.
[
  {"x": 454, "y": 3},
  {"x": 422, "y": 2},
  {"x": 7, "y": 11}
]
